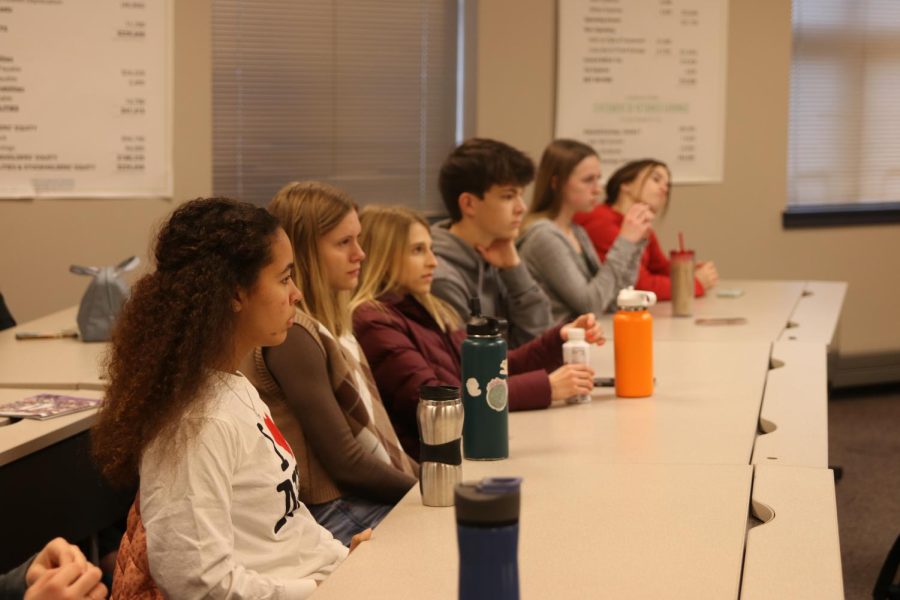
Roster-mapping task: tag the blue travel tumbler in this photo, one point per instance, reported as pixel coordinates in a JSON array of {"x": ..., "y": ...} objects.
[{"x": 487, "y": 527}]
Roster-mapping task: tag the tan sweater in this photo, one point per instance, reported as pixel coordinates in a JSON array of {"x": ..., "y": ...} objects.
[{"x": 309, "y": 386}]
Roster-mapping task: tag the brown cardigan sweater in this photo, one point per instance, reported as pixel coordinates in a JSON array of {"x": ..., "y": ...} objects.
[{"x": 308, "y": 384}]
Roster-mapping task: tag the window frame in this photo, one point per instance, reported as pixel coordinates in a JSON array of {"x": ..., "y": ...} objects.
[
  {"x": 462, "y": 126},
  {"x": 851, "y": 213}
]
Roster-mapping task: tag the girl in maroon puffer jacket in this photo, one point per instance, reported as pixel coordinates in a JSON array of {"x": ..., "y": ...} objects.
[{"x": 412, "y": 338}]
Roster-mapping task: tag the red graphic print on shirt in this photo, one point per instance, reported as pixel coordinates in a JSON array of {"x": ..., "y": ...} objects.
[
  {"x": 277, "y": 435},
  {"x": 289, "y": 487}
]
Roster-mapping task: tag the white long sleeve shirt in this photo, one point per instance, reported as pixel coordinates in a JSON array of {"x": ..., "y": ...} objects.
[{"x": 220, "y": 506}]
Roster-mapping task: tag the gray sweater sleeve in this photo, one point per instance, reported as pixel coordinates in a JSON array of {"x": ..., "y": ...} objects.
[
  {"x": 553, "y": 260},
  {"x": 12, "y": 584},
  {"x": 623, "y": 260},
  {"x": 529, "y": 308}
]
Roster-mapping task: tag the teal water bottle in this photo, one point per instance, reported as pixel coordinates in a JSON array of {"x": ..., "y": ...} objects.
[{"x": 485, "y": 391}]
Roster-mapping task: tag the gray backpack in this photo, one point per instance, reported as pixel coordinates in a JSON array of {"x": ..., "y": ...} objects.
[{"x": 103, "y": 299}]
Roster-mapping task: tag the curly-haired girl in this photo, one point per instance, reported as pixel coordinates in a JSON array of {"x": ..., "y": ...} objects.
[{"x": 217, "y": 513}]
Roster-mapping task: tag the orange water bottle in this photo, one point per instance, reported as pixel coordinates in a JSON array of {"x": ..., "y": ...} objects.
[{"x": 633, "y": 343}]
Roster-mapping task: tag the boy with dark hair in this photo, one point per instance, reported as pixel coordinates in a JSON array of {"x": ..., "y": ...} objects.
[{"x": 482, "y": 183}]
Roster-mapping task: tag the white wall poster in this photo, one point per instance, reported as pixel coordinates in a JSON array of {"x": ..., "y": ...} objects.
[
  {"x": 85, "y": 95},
  {"x": 645, "y": 79}
]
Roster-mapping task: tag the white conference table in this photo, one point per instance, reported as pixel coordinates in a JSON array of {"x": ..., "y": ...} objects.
[
  {"x": 772, "y": 310},
  {"x": 19, "y": 438},
  {"x": 703, "y": 410},
  {"x": 33, "y": 366},
  {"x": 633, "y": 498},
  {"x": 51, "y": 364},
  {"x": 587, "y": 530},
  {"x": 649, "y": 498},
  {"x": 793, "y": 418},
  {"x": 794, "y": 553},
  {"x": 622, "y": 497}
]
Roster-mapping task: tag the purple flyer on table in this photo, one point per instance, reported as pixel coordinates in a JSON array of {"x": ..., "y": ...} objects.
[{"x": 47, "y": 406}]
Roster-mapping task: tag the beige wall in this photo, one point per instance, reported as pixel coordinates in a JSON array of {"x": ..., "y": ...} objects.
[
  {"x": 736, "y": 223},
  {"x": 40, "y": 239}
]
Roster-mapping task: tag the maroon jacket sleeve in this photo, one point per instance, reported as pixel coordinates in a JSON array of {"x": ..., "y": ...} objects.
[
  {"x": 529, "y": 365},
  {"x": 541, "y": 353},
  {"x": 529, "y": 391},
  {"x": 398, "y": 366}
]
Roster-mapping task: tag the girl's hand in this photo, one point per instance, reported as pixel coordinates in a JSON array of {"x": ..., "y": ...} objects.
[
  {"x": 501, "y": 253},
  {"x": 359, "y": 538},
  {"x": 570, "y": 380},
  {"x": 593, "y": 333},
  {"x": 636, "y": 223},
  {"x": 706, "y": 274}
]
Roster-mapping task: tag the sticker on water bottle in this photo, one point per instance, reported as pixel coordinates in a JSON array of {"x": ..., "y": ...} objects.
[
  {"x": 472, "y": 387},
  {"x": 497, "y": 394}
]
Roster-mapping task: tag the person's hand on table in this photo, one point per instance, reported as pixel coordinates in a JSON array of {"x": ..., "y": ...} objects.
[
  {"x": 359, "y": 538},
  {"x": 593, "y": 333},
  {"x": 570, "y": 380},
  {"x": 706, "y": 274}
]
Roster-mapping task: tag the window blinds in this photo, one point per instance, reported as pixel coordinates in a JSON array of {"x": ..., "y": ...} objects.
[
  {"x": 844, "y": 127},
  {"x": 357, "y": 93}
]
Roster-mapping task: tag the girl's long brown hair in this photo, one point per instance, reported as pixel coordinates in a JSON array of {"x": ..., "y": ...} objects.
[
  {"x": 557, "y": 163},
  {"x": 177, "y": 326},
  {"x": 307, "y": 210},
  {"x": 628, "y": 173}
]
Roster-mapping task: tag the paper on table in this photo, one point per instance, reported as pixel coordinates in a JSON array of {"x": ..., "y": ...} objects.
[{"x": 47, "y": 406}]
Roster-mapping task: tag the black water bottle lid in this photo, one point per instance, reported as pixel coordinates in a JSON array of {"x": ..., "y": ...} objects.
[
  {"x": 491, "y": 502},
  {"x": 439, "y": 392},
  {"x": 484, "y": 326},
  {"x": 477, "y": 323},
  {"x": 481, "y": 325}
]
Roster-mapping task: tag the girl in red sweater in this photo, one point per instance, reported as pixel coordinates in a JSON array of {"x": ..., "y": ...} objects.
[{"x": 646, "y": 181}]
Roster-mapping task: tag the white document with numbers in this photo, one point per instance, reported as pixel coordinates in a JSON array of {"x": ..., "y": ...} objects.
[
  {"x": 645, "y": 79},
  {"x": 85, "y": 98}
]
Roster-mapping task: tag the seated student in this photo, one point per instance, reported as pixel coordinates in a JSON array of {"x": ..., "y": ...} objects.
[
  {"x": 217, "y": 513},
  {"x": 558, "y": 253},
  {"x": 58, "y": 571},
  {"x": 481, "y": 183},
  {"x": 318, "y": 384},
  {"x": 647, "y": 182},
  {"x": 412, "y": 338}
]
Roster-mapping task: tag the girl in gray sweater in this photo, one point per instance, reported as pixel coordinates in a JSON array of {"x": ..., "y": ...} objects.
[{"x": 558, "y": 253}]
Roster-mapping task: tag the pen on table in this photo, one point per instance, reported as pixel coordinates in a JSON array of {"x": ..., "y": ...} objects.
[{"x": 46, "y": 335}]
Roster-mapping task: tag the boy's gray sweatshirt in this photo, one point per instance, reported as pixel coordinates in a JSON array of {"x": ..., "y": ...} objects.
[{"x": 511, "y": 294}]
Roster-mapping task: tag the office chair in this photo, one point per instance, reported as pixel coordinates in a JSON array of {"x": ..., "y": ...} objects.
[
  {"x": 6, "y": 319},
  {"x": 887, "y": 586}
]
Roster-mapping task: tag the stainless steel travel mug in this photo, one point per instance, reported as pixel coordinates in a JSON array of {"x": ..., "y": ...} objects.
[{"x": 440, "y": 417}]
